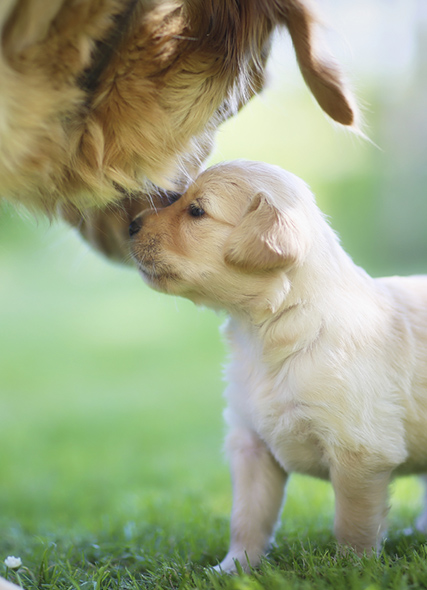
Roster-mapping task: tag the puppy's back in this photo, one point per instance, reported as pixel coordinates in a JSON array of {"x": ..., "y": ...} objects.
[
  {"x": 410, "y": 293},
  {"x": 409, "y": 298}
]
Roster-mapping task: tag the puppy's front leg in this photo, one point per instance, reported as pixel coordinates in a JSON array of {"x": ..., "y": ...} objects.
[
  {"x": 361, "y": 506},
  {"x": 258, "y": 489}
]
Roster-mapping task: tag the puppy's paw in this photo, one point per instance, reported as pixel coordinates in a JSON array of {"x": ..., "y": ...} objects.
[{"x": 235, "y": 562}]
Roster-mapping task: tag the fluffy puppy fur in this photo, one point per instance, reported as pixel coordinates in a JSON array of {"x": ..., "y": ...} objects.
[
  {"x": 101, "y": 99},
  {"x": 328, "y": 372}
]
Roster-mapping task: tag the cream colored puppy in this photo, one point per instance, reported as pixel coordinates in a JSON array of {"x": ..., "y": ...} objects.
[{"x": 328, "y": 375}]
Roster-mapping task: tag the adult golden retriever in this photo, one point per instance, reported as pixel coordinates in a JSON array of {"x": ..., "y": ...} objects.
[
  {"x": 328, "y": 372},
  {"x": 103, "y": 100}
]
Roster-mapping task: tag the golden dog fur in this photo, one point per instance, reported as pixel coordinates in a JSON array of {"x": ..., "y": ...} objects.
[
  {"x": 328, "y": 373},
  {"x": 102, "y": 99}
]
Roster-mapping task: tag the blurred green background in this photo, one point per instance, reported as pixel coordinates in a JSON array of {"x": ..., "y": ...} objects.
[{"x": 110, "y": 393}]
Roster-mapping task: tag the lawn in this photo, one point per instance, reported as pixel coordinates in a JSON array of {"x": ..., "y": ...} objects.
[{"x": 112, "y": 471}]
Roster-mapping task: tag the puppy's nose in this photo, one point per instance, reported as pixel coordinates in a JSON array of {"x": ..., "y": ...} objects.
[{"x": 135, "y": 226}]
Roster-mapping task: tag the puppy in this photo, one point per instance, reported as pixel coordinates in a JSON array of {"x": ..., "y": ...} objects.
[
  {"x": 102, "y": 99},
  {"x": 328, "y": 375}
]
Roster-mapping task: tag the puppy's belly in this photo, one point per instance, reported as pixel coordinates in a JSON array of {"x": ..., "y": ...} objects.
[
  {"x": 293, "y": 442},
  {"x": 302, "y": 457}
]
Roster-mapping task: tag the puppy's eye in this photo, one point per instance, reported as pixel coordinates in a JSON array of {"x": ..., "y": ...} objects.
[{"x": 195, "y": 211}]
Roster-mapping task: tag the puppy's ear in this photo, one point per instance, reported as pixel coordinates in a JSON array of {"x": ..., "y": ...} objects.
[
  {"x": 266, "y": 239},
  {"x": 321, "y": 74}
]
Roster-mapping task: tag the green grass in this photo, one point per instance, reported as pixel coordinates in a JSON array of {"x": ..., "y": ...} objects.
[{"x": 112, "y": 471}]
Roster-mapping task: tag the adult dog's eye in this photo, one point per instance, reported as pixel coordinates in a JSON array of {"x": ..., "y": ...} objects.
[{"x": 195, "y": 210}]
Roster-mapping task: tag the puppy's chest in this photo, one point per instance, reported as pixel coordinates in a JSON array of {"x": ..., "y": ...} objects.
[{"x": 282, "y": 419}]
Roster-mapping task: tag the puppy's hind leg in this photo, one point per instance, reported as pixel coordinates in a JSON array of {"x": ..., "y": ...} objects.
[
  {"x": 258, "y": 490},
  {"x": 361, "y": 506}
]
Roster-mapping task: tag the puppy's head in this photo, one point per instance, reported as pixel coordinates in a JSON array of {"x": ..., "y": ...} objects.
[
  {"x": 234, "y": 231},
  {"x": 240, "y": 228}
]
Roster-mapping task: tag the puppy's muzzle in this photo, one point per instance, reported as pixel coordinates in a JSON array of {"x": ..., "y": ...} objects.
[{"x": 135, "y": 226}]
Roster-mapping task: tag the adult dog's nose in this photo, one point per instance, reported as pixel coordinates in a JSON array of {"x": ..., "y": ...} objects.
[{"x": 135, "y": 226}]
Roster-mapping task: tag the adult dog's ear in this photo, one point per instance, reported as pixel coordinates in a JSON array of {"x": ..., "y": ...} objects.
[
  {"x": 320, "y": 73},
  {"x": 266, "y": 238}
]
